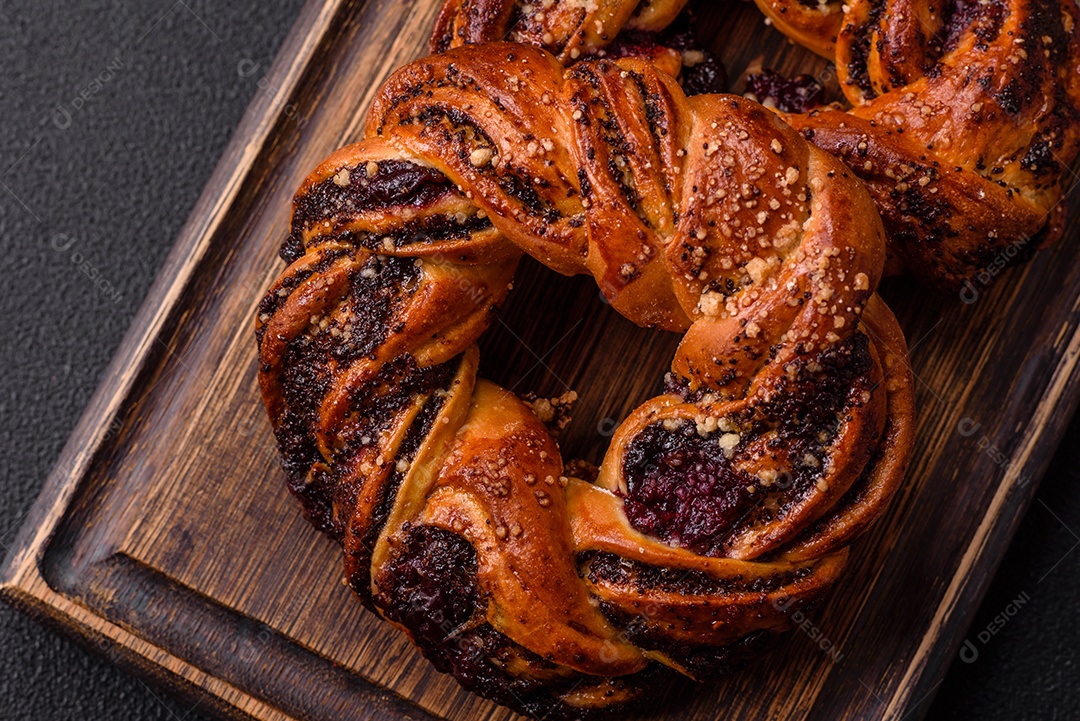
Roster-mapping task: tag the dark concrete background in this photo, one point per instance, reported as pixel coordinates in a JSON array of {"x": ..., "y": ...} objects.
[{"x": 112, "y": 117}]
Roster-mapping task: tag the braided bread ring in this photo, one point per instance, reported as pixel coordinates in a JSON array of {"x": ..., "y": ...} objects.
[{"x": 722, "y": 506}]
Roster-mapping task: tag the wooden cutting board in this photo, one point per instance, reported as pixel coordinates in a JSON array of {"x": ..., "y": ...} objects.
[{"x": 165, "y": 536}]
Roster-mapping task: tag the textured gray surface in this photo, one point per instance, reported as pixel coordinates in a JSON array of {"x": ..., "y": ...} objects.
[{"x": 113, "y": 116}]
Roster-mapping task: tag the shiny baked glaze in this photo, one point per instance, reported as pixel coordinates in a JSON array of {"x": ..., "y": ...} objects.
[
  {"x": 966, "y": 119},
  {"x": 965, "y": 115},
  {"x": 570, "y": 29},
  {"x": 706, "y": 215}
]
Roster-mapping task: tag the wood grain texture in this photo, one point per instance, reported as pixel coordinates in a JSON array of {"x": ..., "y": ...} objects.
[{"x": 166, "y": 538}]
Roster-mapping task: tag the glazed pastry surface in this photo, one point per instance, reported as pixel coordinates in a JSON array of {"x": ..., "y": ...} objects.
[
  {"x": 723, "y": 504},
  {"x": 962, "y": 117}
]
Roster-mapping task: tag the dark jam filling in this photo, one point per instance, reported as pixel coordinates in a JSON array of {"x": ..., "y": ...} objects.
[
  {"x": 430, "y": 587},
  {"x": 377, "y": 289},
  {"x": 703, "y": 662},
  {"x": 416, "y": 383},
  {"x": 644, "y": 578},
  {"x": 306, "y": 378},
  {"x": 393, "y": 388},
  {"x": 790, "y": 95},
  {"x": 428, "y": 229},
  {"x": 396, "y": 183},
  {"x": 984, "y": 19},
  {"x": 434, "y": 589},
  {"x": 396, "y": 385},
  {"x": 682, "y": 489},
  {"x": 813, "y": 401},
  {"x": 373, "y": 298},
  {"x": 712, "y": 663},
  {"x": 704, "y": 77},
  {"x": 707, "y": 77},
  {"x": 859, "y": 51}
]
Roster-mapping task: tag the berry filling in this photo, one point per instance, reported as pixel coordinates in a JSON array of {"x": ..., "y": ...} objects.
[
  {"x": 682, "y": 489},
  {"x": 789, "y": 95}
]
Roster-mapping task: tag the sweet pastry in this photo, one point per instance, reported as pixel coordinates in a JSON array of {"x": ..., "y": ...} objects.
[
  {"x": 964, "y": 117},
  {"x": 569, "y": 30},
  {"x": 723, "y": 505},
  {"x": 658, "y": 31}
]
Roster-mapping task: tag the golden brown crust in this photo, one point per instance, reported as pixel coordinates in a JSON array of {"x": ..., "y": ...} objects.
[
  {"x": 569, "y": 29},
  {"x": 813, "y": 25},
  {"x": 966, "y": 119},
  {"x": 789, "y": 409}
]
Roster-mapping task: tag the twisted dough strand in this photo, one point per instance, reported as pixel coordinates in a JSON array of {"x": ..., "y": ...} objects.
[
  {"x": 966, "y": 119},
  {"x": 722, "y": 505},
  {"x": 569, "y": 29}
]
